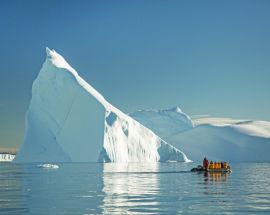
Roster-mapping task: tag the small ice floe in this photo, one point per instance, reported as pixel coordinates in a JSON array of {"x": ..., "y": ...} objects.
[{"x": 48, "y": 166}]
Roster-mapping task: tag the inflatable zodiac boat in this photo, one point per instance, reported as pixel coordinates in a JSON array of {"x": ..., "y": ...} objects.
[{"x": 200, "y": 168}]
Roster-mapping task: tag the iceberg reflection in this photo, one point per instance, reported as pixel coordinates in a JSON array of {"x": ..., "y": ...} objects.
[{"x": 130, "y": 188}]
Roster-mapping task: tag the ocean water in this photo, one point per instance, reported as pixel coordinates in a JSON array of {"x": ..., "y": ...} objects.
[{"x": 159, "y": 188}]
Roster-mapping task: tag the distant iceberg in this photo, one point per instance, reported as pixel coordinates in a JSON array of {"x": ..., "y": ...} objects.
[
  {"x": 5, "y": 157},
  {"x": 217, "y": 138},
  {"x": 65, "y": 123}
]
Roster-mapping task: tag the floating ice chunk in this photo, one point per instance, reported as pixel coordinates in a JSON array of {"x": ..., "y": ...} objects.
[{"x": 48, "y": 166}]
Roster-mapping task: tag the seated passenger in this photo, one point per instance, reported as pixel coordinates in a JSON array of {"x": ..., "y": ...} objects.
[
  {"x": 222, "y": 165},
  {"x": 211, "y": 165}
]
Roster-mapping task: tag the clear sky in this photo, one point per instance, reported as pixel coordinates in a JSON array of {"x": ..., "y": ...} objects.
[{"x": 208, "y": 57}]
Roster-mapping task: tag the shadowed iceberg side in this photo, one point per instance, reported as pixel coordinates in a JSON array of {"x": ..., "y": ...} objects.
[{"x": 65, "y": 123}]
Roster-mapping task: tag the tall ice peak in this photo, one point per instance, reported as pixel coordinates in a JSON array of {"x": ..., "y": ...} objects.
[
  {"x": 58, "y": 61},
  {"x": 70, "y": 121}
]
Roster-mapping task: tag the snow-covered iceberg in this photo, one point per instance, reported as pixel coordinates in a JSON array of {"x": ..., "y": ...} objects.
[
  {"x": 65, "y": 123},
  {"x": 217, "y": 138},
  {"x": 241, "y": 141}
]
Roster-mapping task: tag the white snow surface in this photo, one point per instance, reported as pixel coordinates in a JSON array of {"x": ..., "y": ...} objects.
[
  {"x": 65, "y": 123},
  {"x": 166, "y": 122},
  {"x": 217, "y": 121},
  {"x": 5, "y": 157},
  {"x": 248, "y": 127},
  {"x": 218, "y": 138}
]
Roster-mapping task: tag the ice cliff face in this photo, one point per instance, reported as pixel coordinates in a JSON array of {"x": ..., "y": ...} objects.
[
  {"x": 126, "y": 140},
  {"x": 65, "y": 123}
]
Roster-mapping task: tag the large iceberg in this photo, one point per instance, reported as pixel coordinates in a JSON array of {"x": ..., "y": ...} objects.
[{"x": 65, "y": 123}]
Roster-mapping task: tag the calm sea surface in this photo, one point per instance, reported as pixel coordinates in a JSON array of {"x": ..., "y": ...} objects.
[{"x": 162, "y": 188}]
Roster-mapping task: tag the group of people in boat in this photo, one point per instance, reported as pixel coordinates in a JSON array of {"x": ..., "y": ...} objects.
[{"x": 214, "y": 165}]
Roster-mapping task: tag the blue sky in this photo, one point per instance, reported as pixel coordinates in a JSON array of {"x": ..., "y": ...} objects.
[{"x": 208, "y": 57}]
